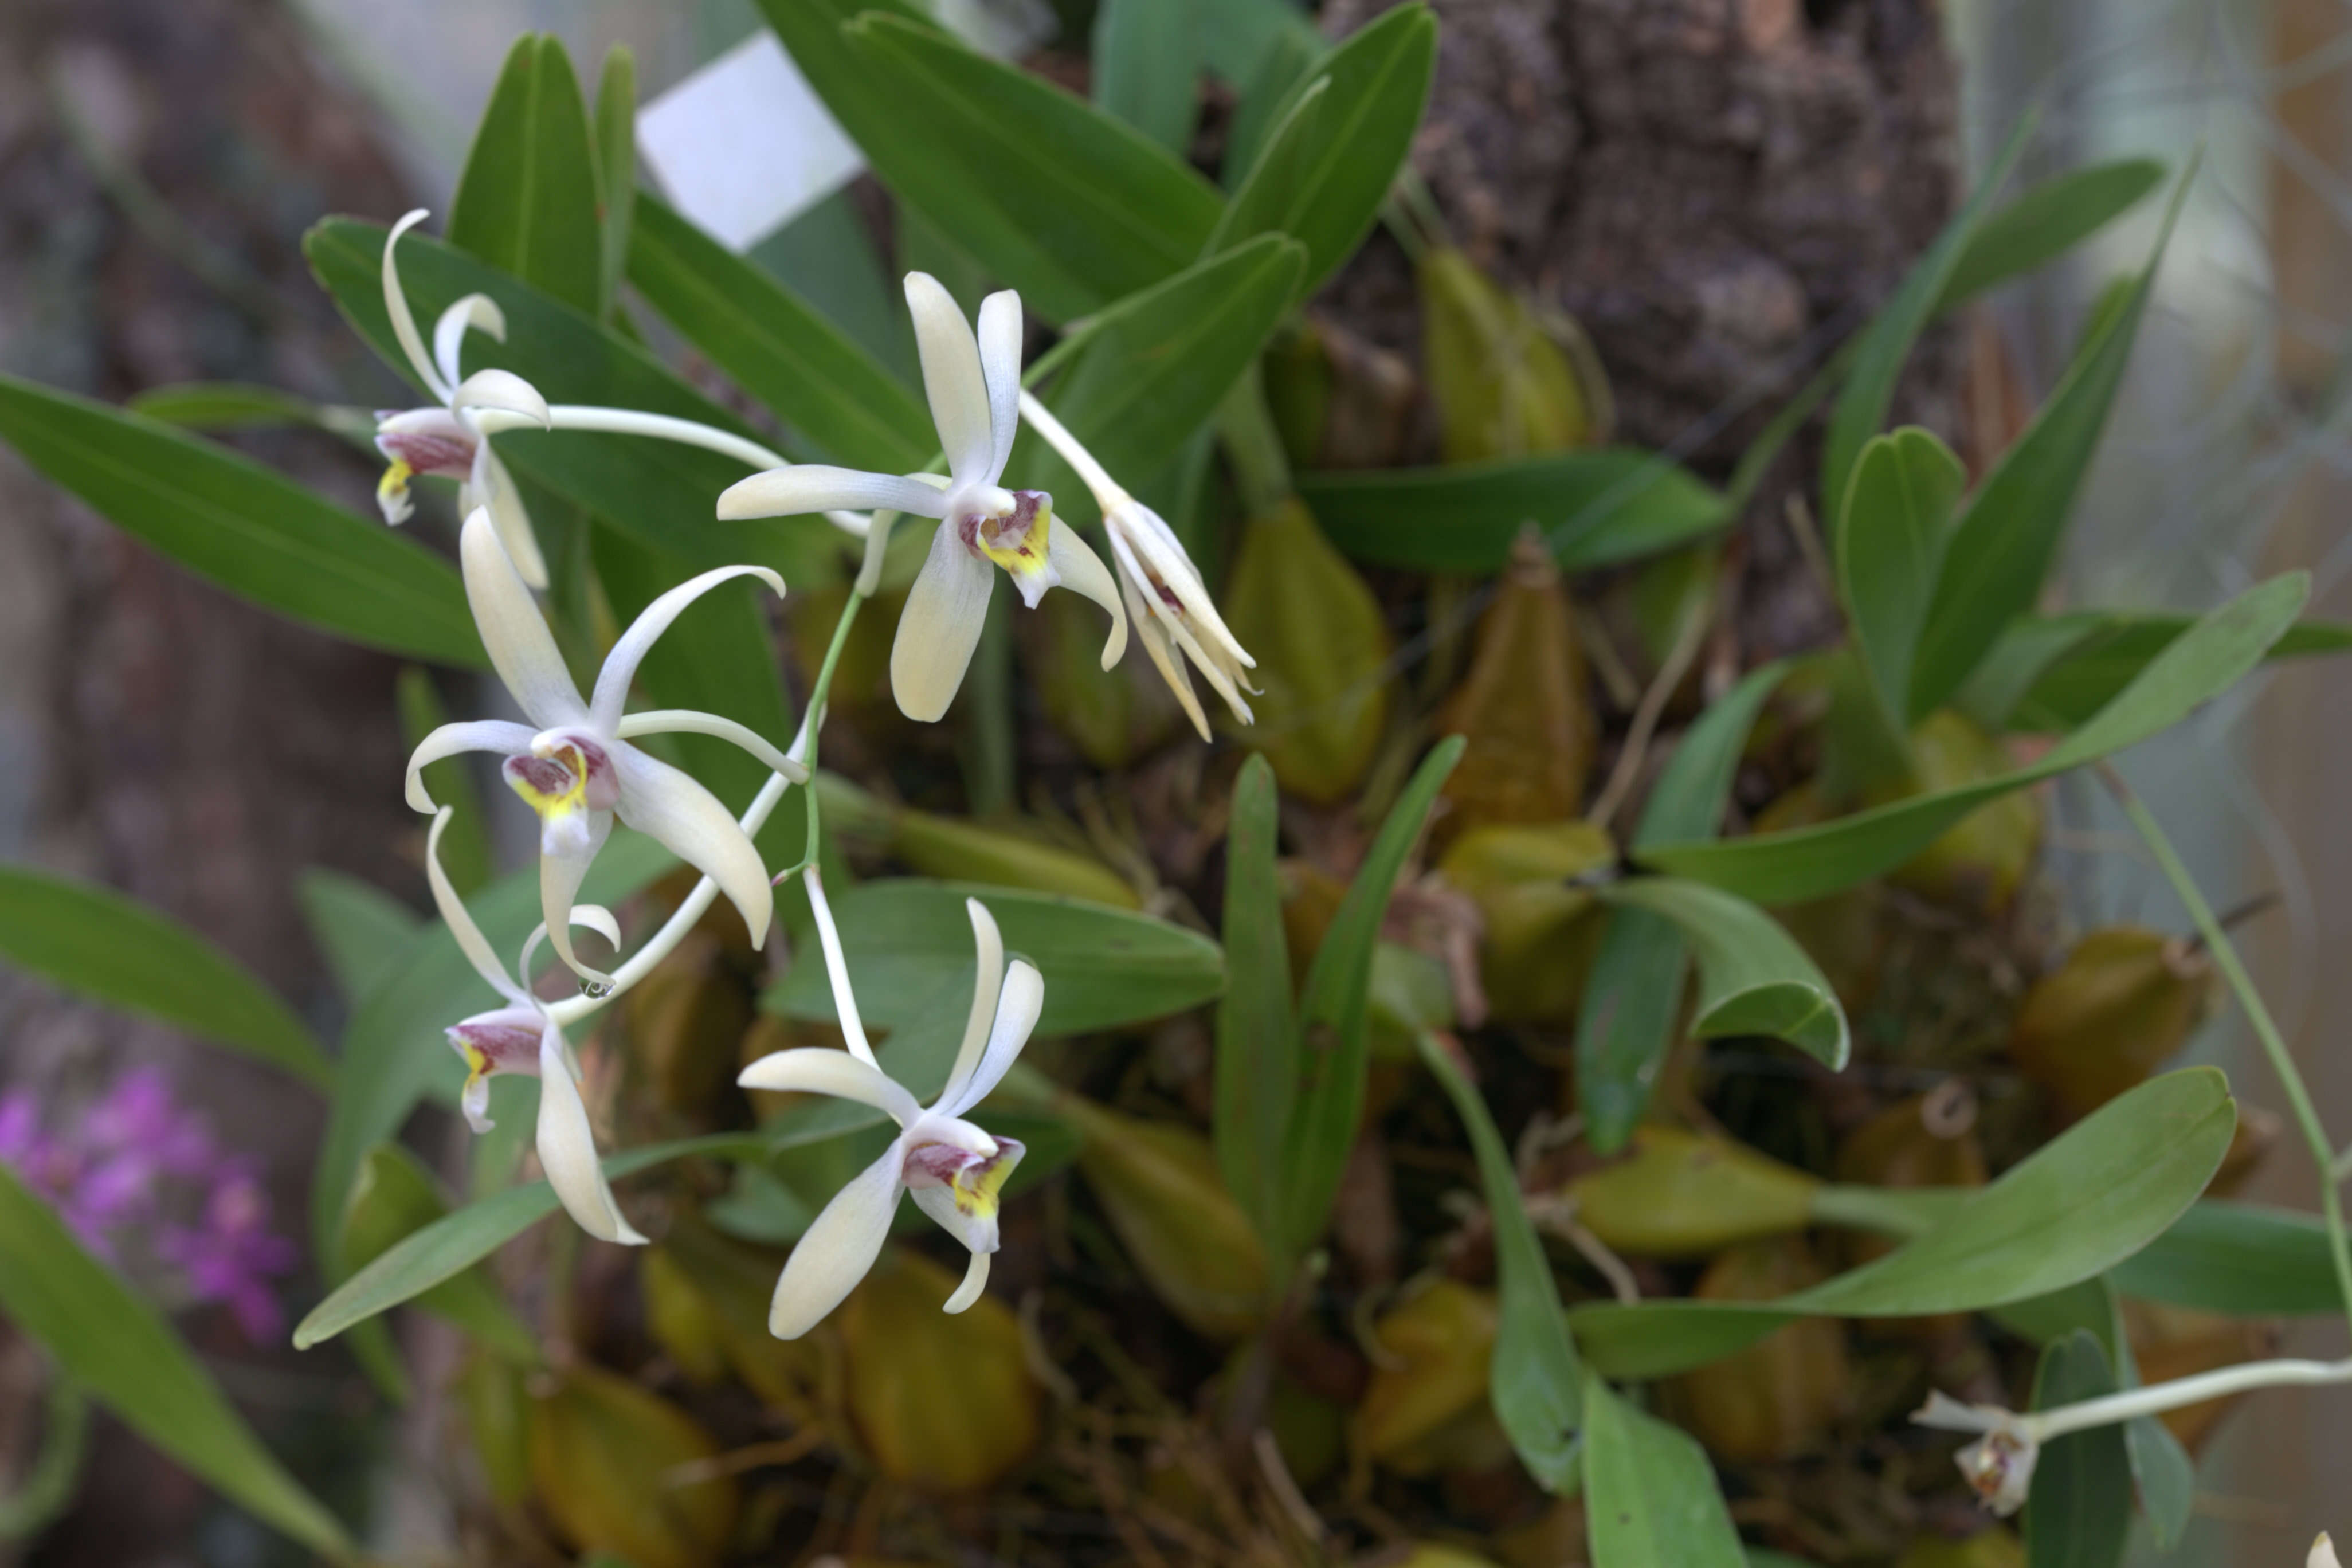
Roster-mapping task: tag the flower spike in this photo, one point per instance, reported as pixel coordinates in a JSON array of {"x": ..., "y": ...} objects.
[
  {"x": 955, "y": 1171},
  {"x": 974, "y": 387},
  {"x": 574, "y": 764}
]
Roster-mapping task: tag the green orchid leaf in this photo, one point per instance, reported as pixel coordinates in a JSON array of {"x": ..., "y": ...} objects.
[
  {"x": 2002, "y": 546},
  {"x": 777, "y": 347},
  {"x": 2074, "y": 1208},
  {"x": 2044, "y": 222},
  {"x": 97, "y": 944},
  {"x": 358, "y": 926},
  {"x": 1889, "y": 547},
  {"x": 1808, "y": 862},
  {"x": 2078, "y": 1514},
  {"x": 908, "y": 941},
  {"x": 2049, "y": 674},
  {"x": 244, "y": 405},
  {"x": 1146, "y": 55},
  {"x": 617, "y": 175},
  {"x": 2245, "y": 1259},
  {"x": 1650, "y": 1498},
  {"x": 1595, "y": 508},
  {"x": 527, "y": 202},
  {"x": 1153, "y": 367},
  {"x": 253, "y": 532},
  {"x": 396, "y": 1196},
  {"x": 1885, "y": 344},
  {"x": 1258, "y": 1063},
  {"x": 1335, "y": 1039},
  {"x": 1535, "y": 1382},
  {"x": 121, "y": 1353},
  {"x": 1322, "y": 175},
  {"x": 1753, "y": 977}
]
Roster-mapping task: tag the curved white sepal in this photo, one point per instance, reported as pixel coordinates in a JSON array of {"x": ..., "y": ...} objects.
[
  {"x": 940, "y": 627},
  {"x": 659, "y": 801},
  {"x": 953, "y": 379},
  {"x": 1023, "y": 999},
  {"x": 1000, "y": 369},
  {"x": 521, "y": 649},
  {"x": 975, "y": 1282},
  {"x": 988, "y": 982},
  {"x": 562, "y": 869},
  {"x": 811, "y": 1069},
  {"x": 1082, "y": 571},
  {"x": 567, "y": 1149},
  {"x": 461, "y": 922},
  {"x": 807, "y": 487},
  {"x": 612, "y": 695},
  {"x": 495, "y": 736},
  {"x": 503, "y": 392},
  {"x": 404, "y": 319},
  {"x": 449, "y": 332},
  {"x": 830, "y": 1259}
]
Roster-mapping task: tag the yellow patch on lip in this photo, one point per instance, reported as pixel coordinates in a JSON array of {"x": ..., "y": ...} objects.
[
  {"x": 979, "y": 1187},
  {"x": 554, "y": 786},
  {"x": 1024, "y": 555},
  {"x": 392, "y": 488}
]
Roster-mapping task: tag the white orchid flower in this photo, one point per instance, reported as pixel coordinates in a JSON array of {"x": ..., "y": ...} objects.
[
  {"x": 449, "y": 437},
  {"x": 452, "y": 438},
  {"x": 974, "y": 386},
  {"x": 573, "y": 763},
  {"x": 523, "y": 1037},
  {"x": 1998, "y": 1466},
  {"x": 1174, "y": 617},
  {"x": 2323, "y": 1553},
  {"x": 955, "y": 1171}
]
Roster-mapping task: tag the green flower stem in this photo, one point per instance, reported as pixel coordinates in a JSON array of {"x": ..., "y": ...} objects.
[
  {"x": 2217, "y": 940},
  {"x": 1245, "y": 428}
]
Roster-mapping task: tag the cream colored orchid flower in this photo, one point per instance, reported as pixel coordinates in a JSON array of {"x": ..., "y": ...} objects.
[
  {"x": 1998, "y": 1466},
  {"x": 2323, "y": 1553},
  {"x": 974, "y": 386},
  {"x": 573, "y": 762},
  {"x": 521, "y": 1038},
  {"x": 452, "y": 440},
  {"x": 955, "y": 1171},
  {"x": 1174, "y": 617},
  {"x": 449, "y": 438}
]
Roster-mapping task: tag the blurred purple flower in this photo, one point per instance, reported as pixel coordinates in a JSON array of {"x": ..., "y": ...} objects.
[{"x": 122, "y": 1177}]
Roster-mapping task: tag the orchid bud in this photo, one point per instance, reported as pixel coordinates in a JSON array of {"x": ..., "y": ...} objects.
[
  {"x": 1677, "y": 1194},
  {"x": 1539, "y": 942},
  {"x": 678, "y": 1320},
  {"x": 1322, "y": 647},
  {"x": 941, "y": 1401},
  {"x": 614, "y": 1466},
  {"x": 1426, "y": 1409},
  {"x": 1508, "y": 379},
  {"x": 1159, "y": 1184},
  {"x": 491, "y": 1392},
  {"x": 1979, "y": 862},
  {"x": 1780, "y": 1397},
  {"x": 1524, "y": 706},
  {"x": 1112, "y": 716},
  {"x": 2123, "y": 1003},
  {"x": 1995, "y": 1546},
  {"x": 685, "y": 1022}
]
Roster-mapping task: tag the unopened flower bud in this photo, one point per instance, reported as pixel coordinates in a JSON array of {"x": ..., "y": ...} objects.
[
  {"x": 2123, "y": 1003},
  {"x": 1539, "y": 940},
  {"x": 941, "y": 1401},
  {"x": 1322, "y": 647},
  {"x": 1158, "y": 1183},
  {"x": 1677, "y": 1194},
  {"x": 1509, "y": 378},
  {"x": 614, "y": 1466},
  {"x": 1524, "y": 706}
]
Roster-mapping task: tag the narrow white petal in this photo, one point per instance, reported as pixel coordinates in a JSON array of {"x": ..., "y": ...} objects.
[
  {"x": 975, "y": 1282},
  {"x": 1083, "y": 571},
  {"x": 450, "y": 740},
  {"x": 1170, "y": 664},
  {"x": 2323, "y": 1553},
  {"x": 1161, "y": 548},
  {"x": 449, "y": 332},
  {"x": 560, "y": 872},
  {"x": 951, "y": 377},
  {"x": 403, "y": 321},
  {"x": 659, "y": 800},
  {"x": 595, "y": 917},
  {"x": 520, "y": 647},
  {"x": 1017, "y": 1014},
  {"x": 806, "y": 487},
  {"x": 833, "y": 1256},
  {"x": 940, "y": 627},
  {"x": 612, "y": 695},
  {"x": 813, "y": 1070},
  {"x": 686, "y": 720},
  {"x": 1000, "y": 366},
  {"x": 503, "y": 391},
  {"x": 470, "y": 939},
  {"x": 987, "y": 981},
  {"x": 567, "y": 1149},
  {"x": 836, "y": 966},
  {"x": 494, "y": 488}
]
